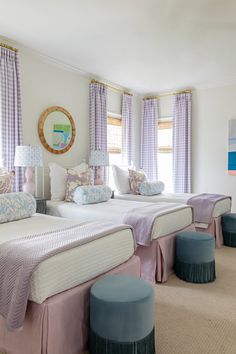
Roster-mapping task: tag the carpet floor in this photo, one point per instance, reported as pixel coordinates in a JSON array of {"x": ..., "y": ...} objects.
[{"x": 198, "y": 318}]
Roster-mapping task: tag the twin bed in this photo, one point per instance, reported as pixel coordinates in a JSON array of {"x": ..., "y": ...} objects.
[{"x": 214, "y": 227}]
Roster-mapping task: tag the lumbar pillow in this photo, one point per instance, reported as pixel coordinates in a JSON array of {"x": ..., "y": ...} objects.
[
  {"x": 16, "y": 206},
  {"x": 58, "y": 176},
  {"x": 121, "y": 179},
  {"x": 6, "y": 182},
  {"x": 135, "y": 180},
  {"x": 151, "y": 188},
  {"x": 76, "y": 179},
  {"x": 92, "y": 194}
]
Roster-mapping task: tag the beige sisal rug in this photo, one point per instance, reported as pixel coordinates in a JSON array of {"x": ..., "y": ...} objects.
[{"x": 199, "y": 319}]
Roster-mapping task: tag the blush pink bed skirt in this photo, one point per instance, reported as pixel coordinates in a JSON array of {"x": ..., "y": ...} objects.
[
  {"x": 157, "y": 260},
  {"x": 214, "y": 229},
  {"x": 60, "y": 324}
]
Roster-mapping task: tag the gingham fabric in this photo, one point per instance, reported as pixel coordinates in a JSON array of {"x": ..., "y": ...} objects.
[
  {"x": 127, "y": 130},
  {"x": 10, "y": 111},
  {"x": 182, "y": 121},
  {"x": 98, "y": 119},
  {"x": 149, "y": 138}
]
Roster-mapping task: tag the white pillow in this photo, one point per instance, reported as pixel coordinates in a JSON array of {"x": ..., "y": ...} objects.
[
  {"x": 58, "y": 176},
  {"x": 121, "y": 179}
]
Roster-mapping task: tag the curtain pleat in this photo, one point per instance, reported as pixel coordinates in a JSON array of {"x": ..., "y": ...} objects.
[
  {"x": 149, "y": 138},
  {"x": 182, "y": 121},
  {"x": 127, "y": 130},
  {"x": 98, "y": 120},
  {"x": 10, "y": 111}
]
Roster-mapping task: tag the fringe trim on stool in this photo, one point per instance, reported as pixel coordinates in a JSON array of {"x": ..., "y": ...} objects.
[
  {"x": 195, "y": 273},
  {"x": 99, "y": 345},
  {"x": 229, "y": 238}
]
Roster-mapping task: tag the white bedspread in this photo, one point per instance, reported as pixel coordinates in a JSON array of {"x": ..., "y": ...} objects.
[
  {"x": 114, "y": 210},
  {"x": 221, "y": 207},
  {"x": 72, "y": 267}
]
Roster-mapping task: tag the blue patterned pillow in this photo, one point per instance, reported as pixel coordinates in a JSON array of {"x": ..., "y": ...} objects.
[
  {"x": 16, "y": 206},
  {"x": 92, "y": 194},
  {"x": 151, "y": 188}
]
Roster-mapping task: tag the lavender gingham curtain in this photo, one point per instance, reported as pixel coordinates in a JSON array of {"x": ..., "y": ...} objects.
[
  {"x": 98, "y": 118},
  {"x": 127, "y": 129},
  {"x": 10, "y": 111},
  {"x": 149, "y": 138},
  {"x": 182, "y": 120}
]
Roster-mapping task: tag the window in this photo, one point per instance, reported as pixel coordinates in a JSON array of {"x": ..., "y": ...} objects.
[
  {"x": 165, "y": 142},
  {"x": 114, "y": 142}
]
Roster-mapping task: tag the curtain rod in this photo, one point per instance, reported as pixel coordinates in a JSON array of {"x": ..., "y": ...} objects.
[
  {"x": 173, "y": 93},
  {"x": 8, "y": 47},
  {"x": 111, "y": 87}
]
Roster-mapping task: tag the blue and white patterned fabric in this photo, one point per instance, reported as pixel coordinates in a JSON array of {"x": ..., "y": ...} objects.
[
  {"x": 92, "y": 194},
  {"x": 16, "y": 206},
  {"x": 151, "y": 188}
]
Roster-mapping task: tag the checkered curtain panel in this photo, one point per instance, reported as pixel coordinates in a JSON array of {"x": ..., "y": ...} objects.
[
  {"x": 182, "y": 120},
  {"x": 10, "y": 111},
  {"x": 149, "y": 138},
  {"x": 98, "y": 119},
  {"x": 127, "y": 130}
]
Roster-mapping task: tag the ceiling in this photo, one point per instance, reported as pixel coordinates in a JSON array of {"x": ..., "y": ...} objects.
[{"x": 144, "y": 45}]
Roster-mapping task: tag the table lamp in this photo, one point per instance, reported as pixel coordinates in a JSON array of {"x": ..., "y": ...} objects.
[
  {"x": 28, "y": 156},
  {"x": 99, "y": 159}
]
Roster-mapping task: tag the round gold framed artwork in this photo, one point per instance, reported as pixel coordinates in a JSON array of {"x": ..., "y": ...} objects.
[{"x": 56, "y": 129}]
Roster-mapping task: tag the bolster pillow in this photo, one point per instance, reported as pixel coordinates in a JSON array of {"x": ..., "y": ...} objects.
[
  {"x": 92, "y": 194},
  {"x": 16, "y": 206},
  {"x": 151, "y": 188}
]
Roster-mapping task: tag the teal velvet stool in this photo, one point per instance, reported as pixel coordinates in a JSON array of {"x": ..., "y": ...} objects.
[
  {"x": 229, "y": 229},
  {"x": 195, "y": 257},
  {"x": 122, "y": 316}
]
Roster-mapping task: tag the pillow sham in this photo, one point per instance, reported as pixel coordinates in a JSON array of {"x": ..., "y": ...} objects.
[
  {"x": 151, "y": 188},
  {"x": 16, "y": 206},
  {"x": 6, "y": 182},
  {"x": 135, "y": 180},
  {"x": 58, "y": 177},
  {"x": 92, "y": 194},
  {"x": 121, "y": 179},
  {"x": 75, "y": 179}
]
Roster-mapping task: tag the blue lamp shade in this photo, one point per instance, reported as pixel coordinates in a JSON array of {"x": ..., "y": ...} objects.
[
  {"x": 28, "y": 156},
  {"x": 99, "y": 158}
]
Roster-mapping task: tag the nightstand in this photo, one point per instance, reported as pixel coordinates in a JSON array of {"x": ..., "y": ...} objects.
[{"x": 41, "y": 205}]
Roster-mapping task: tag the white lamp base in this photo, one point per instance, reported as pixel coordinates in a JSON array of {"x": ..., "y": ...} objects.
[{"x": 29, "y": 186}]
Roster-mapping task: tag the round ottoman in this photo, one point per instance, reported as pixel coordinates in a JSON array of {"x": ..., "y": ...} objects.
[
  {"x": 229, "y": 229},
  {"x": 122, "y": 316},
  {"x": 195, "y": 257}
]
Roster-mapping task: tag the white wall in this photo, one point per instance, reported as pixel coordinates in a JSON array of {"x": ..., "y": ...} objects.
[
  {"x": 47, "y": 83},
  {"x": 212, "y": 109}
]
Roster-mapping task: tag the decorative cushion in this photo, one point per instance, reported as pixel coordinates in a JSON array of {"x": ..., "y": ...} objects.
[
  {"x": 92, "y": 194},
  {"x": 151, "y": 188},
  {"x": 121, "y": 179},
  {"x": 6, "y": 182},
  {"x": 16, "y": 206},
  {"x": 58, "y": 176},
  {"x": 76, "y": 179},
  {"x": 135, "y": 180}
]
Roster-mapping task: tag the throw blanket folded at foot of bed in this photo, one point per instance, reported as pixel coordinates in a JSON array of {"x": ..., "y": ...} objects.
[
  {"x": 203, "y": 206},
  {"x": 19, "y": 258},
  {"x": 143, "y": 219}
]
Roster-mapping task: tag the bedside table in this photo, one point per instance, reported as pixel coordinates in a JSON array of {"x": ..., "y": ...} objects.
[{"x": 41, "y": 205}]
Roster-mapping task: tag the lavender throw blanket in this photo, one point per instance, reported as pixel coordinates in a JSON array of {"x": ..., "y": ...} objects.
[
  {"x": 203, "y": 206},
  {"x": 19, "y": 258},
  {"x": 142, "y": 219}
]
